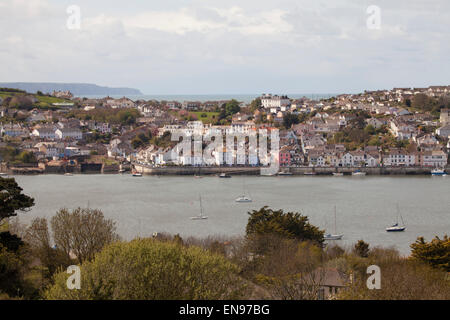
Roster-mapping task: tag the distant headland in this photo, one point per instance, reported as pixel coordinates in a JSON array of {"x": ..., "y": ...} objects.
[{"x": 78, "y": 89}]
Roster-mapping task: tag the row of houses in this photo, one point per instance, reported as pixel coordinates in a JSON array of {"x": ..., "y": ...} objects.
[
  {"x": 393, "y": 158},
  {"x": 168, "y": 156},
  {"x": 53, "y": 133}
]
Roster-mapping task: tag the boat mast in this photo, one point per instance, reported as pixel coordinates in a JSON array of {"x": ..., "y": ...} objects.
[{"x": 335, "y": 220}]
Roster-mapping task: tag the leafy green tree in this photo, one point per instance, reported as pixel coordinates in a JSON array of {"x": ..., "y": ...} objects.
[
  {"x": 362, "y": 249},
  {"x": 12, "y": 199},
  {"x": 287, "y": 225},
  {"x": 289, "y": 119},
  {"x": 232, "y": 107},
  {"x": 255, "y": 104},
  {"x": 10, "y": 272},
  {"x": 136, "y": 142},
  {"x": 435, "y": 253},
  {"x": 148, "y": 269},
  {"x": 10, "y": 241},
  {"x": 26, "y": 157}
]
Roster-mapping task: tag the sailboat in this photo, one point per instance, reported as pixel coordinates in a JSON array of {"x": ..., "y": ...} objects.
[
  {"x": 396, "y": 227},
  {"x": 243, "y": 198},
  {"x": 334, "y": 236},
  {"x": 200, "y": 216}
]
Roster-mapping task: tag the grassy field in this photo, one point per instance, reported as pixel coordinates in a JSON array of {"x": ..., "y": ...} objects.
[
  {"x": 204, "y": 116},
  {"x": 43, "y": 101}
]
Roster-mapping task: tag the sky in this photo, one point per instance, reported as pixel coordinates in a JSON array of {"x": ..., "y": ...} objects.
[{"x": 228, "y": 47}]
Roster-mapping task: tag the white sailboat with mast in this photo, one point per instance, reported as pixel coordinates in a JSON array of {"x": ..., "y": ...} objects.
[
  {"x": 396, "y": 227},
  {"x": 200, "y": 216},
  {"x": 243, "y": 198},
  {"x": 334, "y": 236}
]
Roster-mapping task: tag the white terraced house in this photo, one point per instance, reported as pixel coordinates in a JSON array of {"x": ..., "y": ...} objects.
[
  {"x": 269, "y": 101},
  {"x": 45, "y": 133},
  {"x": 69, "y": 133},
  {"x": 437, "y": 159},
  {"x": 397, "y": 158}
]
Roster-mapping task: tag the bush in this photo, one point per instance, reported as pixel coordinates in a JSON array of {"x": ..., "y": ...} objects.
[{"x": 151, "y": 269}]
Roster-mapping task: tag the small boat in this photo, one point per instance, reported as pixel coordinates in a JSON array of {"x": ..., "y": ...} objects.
[
  {"x": 438, "y": 172},
  {"x": 267, "y": 174},
  {"x": 3, "y": 174},
  {"x": 334, "y": 236},
  {"x": 198, "y": 177},
  {"x": 358, "y": 173},
  {"x": 338, "y": 174},
  {"x": 243, "y": 199},
  {"x": 309, "y": 174},
  {"x": 68, "y": 174},
  {"x": 396, "y": 227},
  {"x": 285, "y": 173},
  {"x": 224, "y": 175},
  {"x": 136, "y": 174},
  {"x": 200, "y": 216},
  {"x": 121, "y": 170}
]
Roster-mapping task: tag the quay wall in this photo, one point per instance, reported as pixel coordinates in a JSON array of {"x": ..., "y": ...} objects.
[{"x": 294, "y": 170}]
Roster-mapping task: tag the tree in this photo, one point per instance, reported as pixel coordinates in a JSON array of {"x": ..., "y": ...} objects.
[
  {"x": 26, "y": 157},
  {"x": 362, "y": 249},
  {"x": 401, "y": 279},
  {"x": 435, "y": 253},
  {"x": 153, "y": 270},
  {"x": 232, "y": 107},
  {"x": 287, "y": 225},
  {"x": 10, "y": 272},
  {"x": 12, "y": 199},
  {"x": 289, "y": 119},
  {"x": 297, "y": 277},
  {"x": 255, "y": 104},
  {"x": 82, "y": 232},
  {"x": 37, "y": 236}
]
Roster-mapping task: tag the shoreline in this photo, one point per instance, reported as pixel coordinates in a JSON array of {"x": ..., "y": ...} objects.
[{"x": 213, "y": 171}]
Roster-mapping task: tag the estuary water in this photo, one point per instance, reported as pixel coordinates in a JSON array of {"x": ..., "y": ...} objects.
[{"x": 142, "y": 205}]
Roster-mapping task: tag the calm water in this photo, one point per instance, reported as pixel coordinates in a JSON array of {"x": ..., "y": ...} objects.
[{"x": 141, "y": 206}]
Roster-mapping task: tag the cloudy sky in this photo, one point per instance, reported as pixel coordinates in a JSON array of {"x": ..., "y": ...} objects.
[{"x": 212, "y": 47}]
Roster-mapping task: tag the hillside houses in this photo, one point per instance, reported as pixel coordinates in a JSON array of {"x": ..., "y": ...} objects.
[
  {"x": 274, "y": 101},
  {"x": 13, "y": 130},
  {"x": 68, "y": 133},
  {"x": 119, "y": 103},
  {"x": 45, "y": 132},
  {"x": 402, "y": 130}
]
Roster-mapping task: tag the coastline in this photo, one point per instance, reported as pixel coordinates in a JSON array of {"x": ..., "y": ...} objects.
[{"x": 95, "y": 168}]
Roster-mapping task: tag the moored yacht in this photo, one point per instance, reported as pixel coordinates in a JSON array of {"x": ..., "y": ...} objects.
[
  {"x": 396, "y": 227},
  {"x": 243, "y": 199},
  {"x": 285, "y": 173},
  {"x": 200, "y": 216},
  {"x": 358, "y": 173},
  {"x": 438, "y": 172},
  {"x": 334, "y": 236}
]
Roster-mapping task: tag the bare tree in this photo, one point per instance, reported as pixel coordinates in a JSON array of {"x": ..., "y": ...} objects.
[{"x": 82, "y": 232}]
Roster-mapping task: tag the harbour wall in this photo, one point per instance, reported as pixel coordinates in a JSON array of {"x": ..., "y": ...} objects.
[{"x": 293, "y": 170}]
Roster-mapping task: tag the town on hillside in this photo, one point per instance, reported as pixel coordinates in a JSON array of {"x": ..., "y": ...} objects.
[{"x": 401, "y": 127}]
